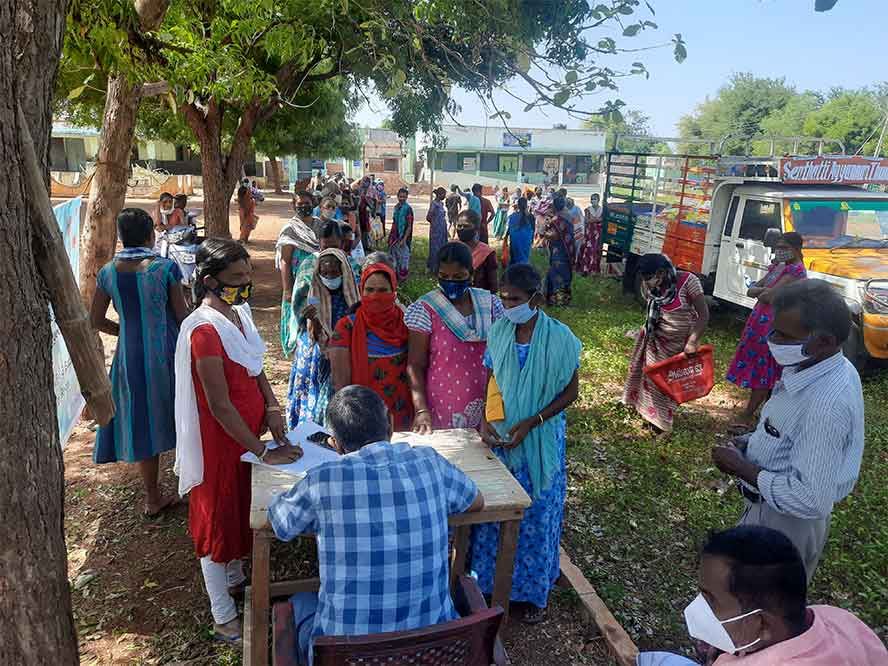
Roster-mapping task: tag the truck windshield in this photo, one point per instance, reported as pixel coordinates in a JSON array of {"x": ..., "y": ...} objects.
[{"x": 852, "y": 223}]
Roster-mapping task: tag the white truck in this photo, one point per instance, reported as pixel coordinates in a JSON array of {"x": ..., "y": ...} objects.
[{"x": 719, "y": 217}]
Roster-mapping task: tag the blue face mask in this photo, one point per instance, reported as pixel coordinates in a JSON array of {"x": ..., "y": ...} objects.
[
  {"x": 520, "y": 314},
  {"x": 453, "y": 289}
]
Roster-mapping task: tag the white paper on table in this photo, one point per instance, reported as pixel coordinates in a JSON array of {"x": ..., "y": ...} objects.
[{"x": 312, "y": 454}]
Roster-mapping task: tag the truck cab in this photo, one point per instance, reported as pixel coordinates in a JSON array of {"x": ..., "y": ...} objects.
[
  {"x": 716, "y": 216},
  {"x": 845, "y": 232}
]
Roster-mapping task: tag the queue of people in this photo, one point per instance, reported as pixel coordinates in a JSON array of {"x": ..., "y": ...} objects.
[
  {"x": 365, "y": 366},
  {"x": 570, "y": 236}
]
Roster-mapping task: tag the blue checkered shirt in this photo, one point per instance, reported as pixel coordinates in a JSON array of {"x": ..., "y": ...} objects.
[{"x": 380, "y": 516}]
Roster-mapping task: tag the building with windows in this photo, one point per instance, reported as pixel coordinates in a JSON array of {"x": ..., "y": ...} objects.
[
  {"x": 500, "y": 156},
  {"x": 383, "y": 154},
  {"x": 73, "y": 152}
]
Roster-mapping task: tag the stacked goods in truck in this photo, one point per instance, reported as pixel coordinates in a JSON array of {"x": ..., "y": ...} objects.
[{"x": 685, "y": 241}]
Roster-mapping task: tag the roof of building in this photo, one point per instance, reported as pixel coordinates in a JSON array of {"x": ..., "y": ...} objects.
[
  {"x": 377, "y": 135},
  {"x": 539, "y": 141}
]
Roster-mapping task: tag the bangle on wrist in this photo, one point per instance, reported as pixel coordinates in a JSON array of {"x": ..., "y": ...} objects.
[
  {"x": 272, "y": 408},
  {"x": 420, "y": 411},
  {"x": 265, "y": 451},
  {"x": 540, "y": 417}
]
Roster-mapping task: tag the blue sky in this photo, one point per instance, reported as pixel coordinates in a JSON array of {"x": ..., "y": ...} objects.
[{"x": 845, "y": 47}]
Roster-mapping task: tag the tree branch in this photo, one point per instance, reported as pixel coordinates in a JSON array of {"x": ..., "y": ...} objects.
[
  {"x": 153, "y": 89},
  {"x": 332, "y": 74},
  {"x": 240, "y": 142},
  {"x": 151, "y": 13}
]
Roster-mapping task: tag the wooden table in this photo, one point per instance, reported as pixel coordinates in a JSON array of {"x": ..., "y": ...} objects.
[{"x": 504, "y": 503}]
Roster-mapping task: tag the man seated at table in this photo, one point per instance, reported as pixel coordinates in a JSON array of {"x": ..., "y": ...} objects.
[
  {"x": 380, "y": 515},
  {"x": 752, "y": 610}
]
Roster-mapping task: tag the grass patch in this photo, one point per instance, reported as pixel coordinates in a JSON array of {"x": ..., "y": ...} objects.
[{"x": 638, "y": 510}]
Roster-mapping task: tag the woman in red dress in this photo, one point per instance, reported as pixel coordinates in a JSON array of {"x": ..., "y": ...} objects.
[
  {"x": 370, "y": 346},
  {"x": 223, "y": 404}
]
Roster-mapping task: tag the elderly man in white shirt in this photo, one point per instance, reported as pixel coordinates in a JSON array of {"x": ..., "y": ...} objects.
[{"x": 804, "y": 455}]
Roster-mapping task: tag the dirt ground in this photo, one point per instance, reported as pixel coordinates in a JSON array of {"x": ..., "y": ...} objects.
[{"x": 137, "y": 591}]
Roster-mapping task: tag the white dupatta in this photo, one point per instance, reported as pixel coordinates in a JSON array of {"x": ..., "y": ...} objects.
[{"x": 246, "y": 349}]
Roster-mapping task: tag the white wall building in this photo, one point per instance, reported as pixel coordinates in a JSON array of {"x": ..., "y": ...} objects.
[{"x": 499, "y": 156}]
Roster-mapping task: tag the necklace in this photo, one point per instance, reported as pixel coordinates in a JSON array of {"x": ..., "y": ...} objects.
[{"x": 231, "y": 315}]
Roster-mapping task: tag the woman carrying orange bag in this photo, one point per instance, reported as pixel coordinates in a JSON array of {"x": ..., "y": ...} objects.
[{"x": 677, "y": 315}]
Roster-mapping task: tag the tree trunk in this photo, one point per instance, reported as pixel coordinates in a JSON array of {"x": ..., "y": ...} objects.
[
  {"x": 107, "y": 192},
  {"x": 276, "y": 176},
  {"x": 220, "y": 173},
  {"x": 207, "y": 127},
  {"x": 35, "y": 600},
  {"x": 216, "y": 191}
]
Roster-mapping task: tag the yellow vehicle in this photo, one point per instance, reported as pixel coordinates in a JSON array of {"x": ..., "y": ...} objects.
[{"x": 846, "y": 243}]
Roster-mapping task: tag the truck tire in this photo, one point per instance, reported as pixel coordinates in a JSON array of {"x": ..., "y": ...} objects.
[{"x": 855, "y": 350}]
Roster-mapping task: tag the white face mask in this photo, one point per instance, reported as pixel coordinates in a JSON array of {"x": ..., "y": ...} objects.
[
  {"x": 784, "y": 256},
  {"x": 705, "y": 626},
  {"x": 788, "y": 355},
  {"x": 520, "y": 314},
  {"x": 332, "y": 283}
]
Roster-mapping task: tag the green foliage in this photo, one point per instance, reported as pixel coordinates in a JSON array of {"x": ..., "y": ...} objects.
[
  {"x": 233, "y": 64},
  {"x": 102, "y": 39},
  {"x": 159, "y": 122},
  {"x": 748, "y": 106},
  {"x": 790, "y": 119},
  {"x": 737, "y": 110},
  {"x": 627, "y": 123},
  {"x": 240, "y": 52},
  {"x": 315, "y": 124},
  {"x": 853, "y": 117}
]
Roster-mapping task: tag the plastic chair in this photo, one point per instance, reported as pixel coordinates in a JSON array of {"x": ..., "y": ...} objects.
[{"x": 469, "y": 641}]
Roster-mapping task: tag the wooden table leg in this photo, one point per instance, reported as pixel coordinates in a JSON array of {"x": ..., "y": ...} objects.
[
  {"x": 260, "y": 599},
  {"x": 505, "y": 563},
  {"x": 461, "y": 546}
]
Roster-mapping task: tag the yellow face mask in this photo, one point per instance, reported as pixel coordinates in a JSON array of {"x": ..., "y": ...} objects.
[{"x": 234, "y": 294}]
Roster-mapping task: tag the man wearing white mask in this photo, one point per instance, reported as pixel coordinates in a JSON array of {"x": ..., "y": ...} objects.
[
  {"x": 752, "y": 610},
  {"x": 804, "y": 455}
]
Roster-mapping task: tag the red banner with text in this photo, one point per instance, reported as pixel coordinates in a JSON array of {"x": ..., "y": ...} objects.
[{"x": 854, "y": 170}]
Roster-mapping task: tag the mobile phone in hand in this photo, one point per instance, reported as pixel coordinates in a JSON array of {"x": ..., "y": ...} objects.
[{"x": 320, "y": 437}]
